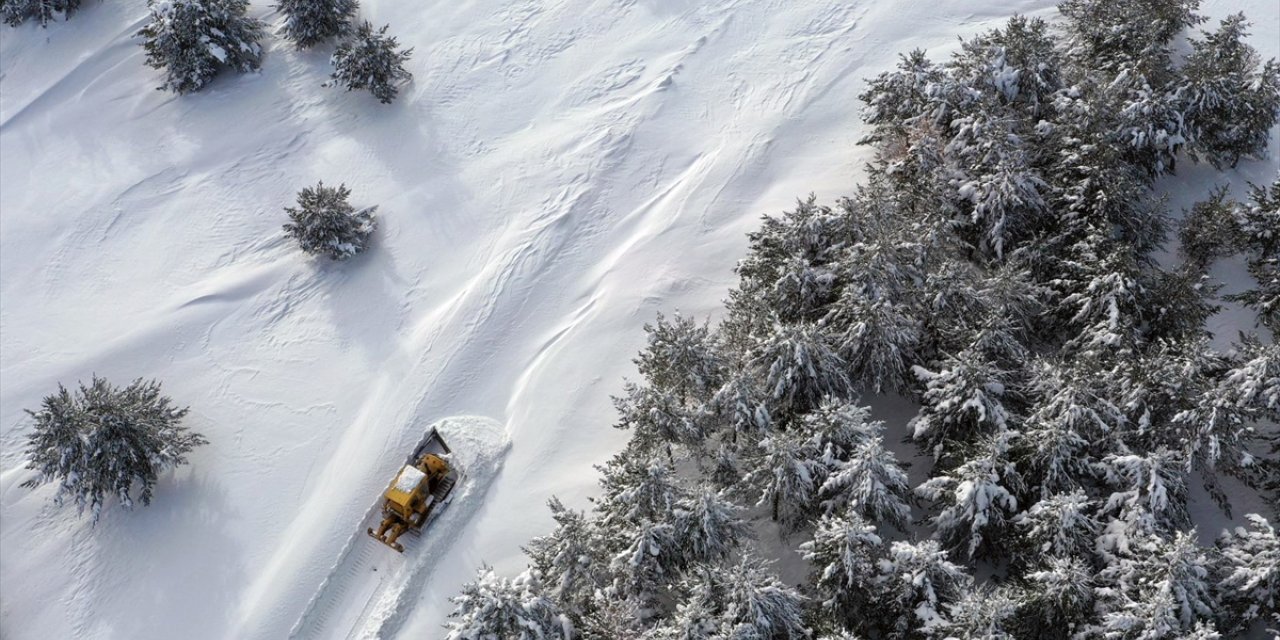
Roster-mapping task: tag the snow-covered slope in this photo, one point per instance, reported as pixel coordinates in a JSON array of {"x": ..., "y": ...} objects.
[{"x": 557, "y": 172}]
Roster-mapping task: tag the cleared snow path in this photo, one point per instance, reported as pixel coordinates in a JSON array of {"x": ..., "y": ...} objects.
[
  {"x": 370, "y": 584},
  {"x": 558, "y": 171}
]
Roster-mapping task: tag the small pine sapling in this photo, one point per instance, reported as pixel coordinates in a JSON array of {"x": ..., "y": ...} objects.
[
  {"x": 191, "y": 40},
  {"x": 102, "y": 441},
  {"x": 371, "y": 60},
  {"x": 325, "y": 223},
  {"x": 309, "y": 22}
]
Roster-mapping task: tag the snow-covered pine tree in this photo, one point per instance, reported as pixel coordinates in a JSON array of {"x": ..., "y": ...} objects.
[
  {"x": 1260, "y": 221},
  {"x": 682, "y": 357},
  {"x": 742, "y": 406},
  {"x": 978, "y": 497},
  {"x": 325, "y": 223},
  {"x": 648, "y": 564},
  {"x": 787, "y": 474},
  {"x": 844, "y": 553},
  {"x": 1250, "y": 583},
  {"x": 1231, "y": 100},
  {"x": 869, "y": 483},
  {"x": 494, "y": 607},
  {"x": 659, "y": 418},
  {"x": 1060, "y": 525},
  {"x": 310, "y": 22},
  {"x": 371, "y": 60},
  {"x": 1099, "y": 285},
  {"x": 635, "y": 489},
  {"x": 15, "y": 12},
  {"x": 1229, "y": 413},
  {"x": 962, "y": 401},
  {"x": 191, "y": 40},
  {"x": 877, "y": 339},
  {"x": 104, "y": 441},
  {"x": 570, "y": 561},
  {"x": 1128, "y": 49},
  {"x": 636, "y": 525},
  {"x": 1058, "y": 598},
  {"x": 997, "y": 179},
  {"x": 1018, "y": 65},
  {"x": 1070, "y": 418},
  {"x": 1149, "y": 497},
  {"x": 1159, "y": 589},
  {"x": 1211, "y": 229},
  {"x": 1265, "y": 299},
  {"x": 918, "y": 584},
  {"x": 800, "y": 368},
  {"x": 709, "y": 527},
  {"x": 983, "y": 613},
  {"x": 743, "y": 601},
  {"x": 1177, "y": 303},
  {"x": 788, "y": 267}
]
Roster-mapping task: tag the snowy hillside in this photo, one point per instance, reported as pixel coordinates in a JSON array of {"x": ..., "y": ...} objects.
[{"x": 556, "y": 173}]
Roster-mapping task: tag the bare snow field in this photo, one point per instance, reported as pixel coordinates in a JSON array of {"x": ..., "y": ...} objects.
[{"x": 556, "y": 174}]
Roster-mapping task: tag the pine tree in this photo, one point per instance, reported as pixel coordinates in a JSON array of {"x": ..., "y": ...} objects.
[
  {"x": 709, "y": 527},
  {"x": 844, "y": 554},
  {"x": 962, "y": 401},
  {"x": 191, "y": 40},
  {"x": 1231, "y": 99},
  {"x": 1265, "y": 299},
  {"x": 1211, "y": 229},
  {"x": 978, "y": 497},
  {"x": 788, "y": 270},
  {"x": 1250, "y": 584},
  {"x": 1072, "y": 414},
  {"x": 745, "y": 602},
  {"x": 742, "y": 406},
  {"x": 800, "y": 368},
  {"x": 1149, "y": 497},
  {"x": 310, "y": 22},
  {"x": 1158, "y": 590},
  {"x": 1178, "y": 303},
  {"x": 919, "y": 582},
  {"x": 878, "y": 340},
  {"x": 681, "y": 357},
  {"x": 1060, "y": 526},
  {"x": 493, "y": 608},
  {"x": 371, "y": 60},
  {"x": 15, "y": 12},
  {"x": 570, "y": 561},
  {"x": 997, "y": 179},
  {"x": 103, "y": 441},
  {"x": 325, "y": 223},
  {"x": 1259, "y": 222},
  {"x": 869, "y": 483},
  {"x": 983, "y": 614},
  {"x": 659, "y": 418},
  {"x": 1058, "y": 598},
  {"x": 787, "y": 475}
]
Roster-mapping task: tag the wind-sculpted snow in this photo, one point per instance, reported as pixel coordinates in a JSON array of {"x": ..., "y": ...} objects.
[{"x": 555, "y": 174}]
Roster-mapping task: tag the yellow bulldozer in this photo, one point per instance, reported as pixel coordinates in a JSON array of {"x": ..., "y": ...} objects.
[{"x": 419, "y": 491}]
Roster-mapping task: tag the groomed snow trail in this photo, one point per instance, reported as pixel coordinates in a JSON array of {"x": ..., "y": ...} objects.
[
  {"x": 557, "y": 172},
  {"x": 370, "y": 583}
]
